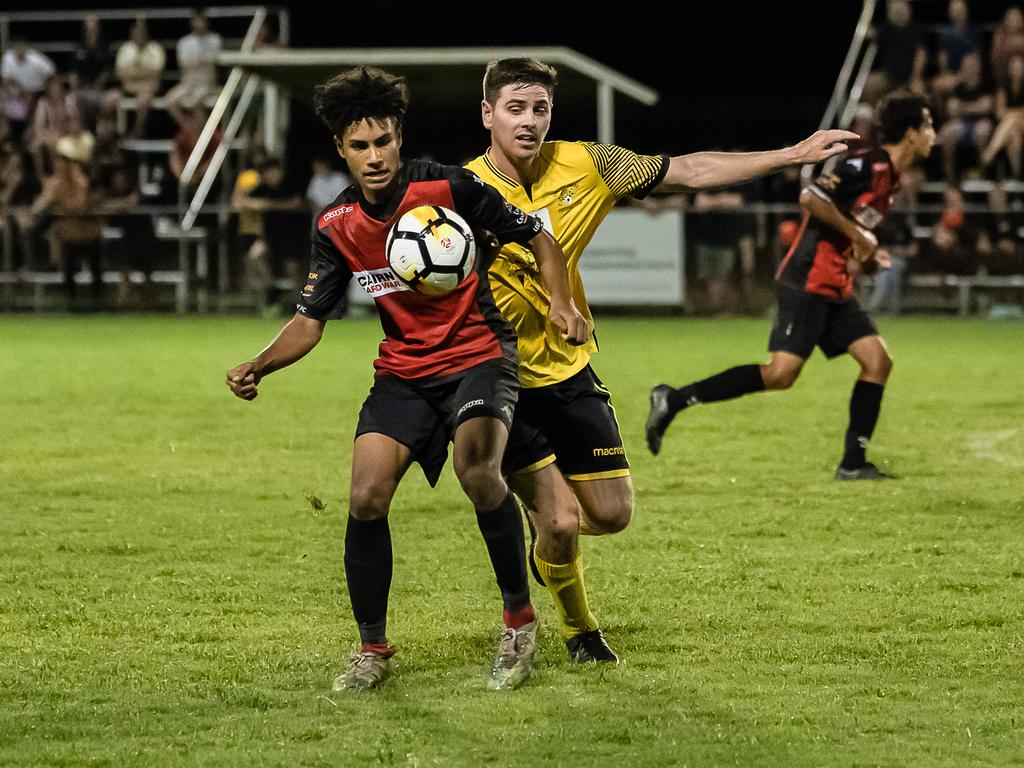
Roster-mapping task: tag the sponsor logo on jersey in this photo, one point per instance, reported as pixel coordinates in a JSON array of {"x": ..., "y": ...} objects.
[
  {"x": 467, "y": 406},
  {"x": 312, "y": 276},
  {"x": 616, "y": 451},
  {"x": 379, "y": 282},
  {"x": 335, "y": 213}
]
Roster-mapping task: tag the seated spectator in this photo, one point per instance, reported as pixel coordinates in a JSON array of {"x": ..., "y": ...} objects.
[
  {"x": 1003, "y": 254},
  {"x": 954, "y": 42},
  {"x": 24, "y": 71},
  {"x": 190, "y": 126},
  {"x": 895, "y": 236},
  {"x": 93, "y": 73},
  {"x": 276, "y": 200},
  {"x": 1009, "y": 132},
  {"x": 952, "y": 248},
  {"x": 56, "y": 115},
  {"x": 17, "y": 189},
  {"x": 66, "y": 203},
  {"x": 969, "y": 111},
  {"x": 139, "y": 63},
  {"x": 902, "y": 54},
  {"x": 197, "y": 60},
  {"x": 326, "y": 184},
  {"x": 1007, "y": 42}
]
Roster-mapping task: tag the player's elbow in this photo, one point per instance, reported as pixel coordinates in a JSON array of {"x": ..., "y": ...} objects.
[{"x": 808, "y": 198}]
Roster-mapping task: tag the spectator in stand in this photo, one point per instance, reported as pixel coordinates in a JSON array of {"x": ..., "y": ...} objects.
[
  {"x": 969, "y": 112},
  {"x": 723, "y": 234},
  {"x": 954, "y": 42},
  {"x": 1003, "y": 254},
  {"x": 267, "y": 37},
  {"x": 190, "y": 126},
  {"x": 197, "y": 60},
  {"x": 276, "y": 201},
  {"x": 902, "y": 54},
  {"x": 66, "y": 200},
  {"x": 16, "y": 189},
  {"x": 140, "y": 61},
  {"x": 56, "y": 115},
  {"x": 1007, "y": 42},
  {"x": 1009, "y": 133},
  {"x": 952, "y": 248},
  {"x": 92, "y": 69},
  {"x": 25, "y": 71},
  {"x": 326, "y": 184},
  {"x": 895, "y": 233}
]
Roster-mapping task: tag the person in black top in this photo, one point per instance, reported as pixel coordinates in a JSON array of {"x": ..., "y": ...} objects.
[
  {"x": 816, "y": 306},
  {"x": 1009, "y": 133}
]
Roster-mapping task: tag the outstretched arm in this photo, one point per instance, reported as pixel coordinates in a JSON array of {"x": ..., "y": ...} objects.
[
  {"x": 553, "y": 271},
  {"x": 708, "y": 170},
  {"x": 294, "y": 341}
]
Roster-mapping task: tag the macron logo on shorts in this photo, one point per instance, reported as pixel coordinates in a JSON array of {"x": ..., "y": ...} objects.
[{"x": 467, "y": 406}]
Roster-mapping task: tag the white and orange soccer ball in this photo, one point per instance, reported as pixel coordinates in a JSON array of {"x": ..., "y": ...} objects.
[{"x": 431, "y": 249}]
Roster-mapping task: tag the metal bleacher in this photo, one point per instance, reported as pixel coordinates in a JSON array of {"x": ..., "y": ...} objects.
[{"x": 193, "y": 257}]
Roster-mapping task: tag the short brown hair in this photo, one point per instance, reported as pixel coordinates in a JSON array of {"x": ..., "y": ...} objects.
[
  {"x": 363, "y": 93},
  {"x": 518, "y": 70}
]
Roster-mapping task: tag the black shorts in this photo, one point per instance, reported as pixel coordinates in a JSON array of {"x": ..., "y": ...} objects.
[
  {"x": 571, "y": 422},
  {"x": 804, "y": 321},
  {"x": 422, "y": 414}
]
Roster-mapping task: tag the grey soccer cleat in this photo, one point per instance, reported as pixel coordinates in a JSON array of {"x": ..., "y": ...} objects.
[
  {"x": 660, "y": 416},
  {"x": 868, "y": 472},
  {"x": 366, "y": 670},
  {"x": 588, "y": 647},
  {"x": 513, "y": 662}
]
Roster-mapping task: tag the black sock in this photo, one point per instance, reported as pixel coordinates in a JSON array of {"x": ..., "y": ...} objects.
[
  {"x": 502, "y": 529},
  {"x": 865, "y": 403},
  {"x": 741, "y": 380},
  {"x": 368, "y": 573}
]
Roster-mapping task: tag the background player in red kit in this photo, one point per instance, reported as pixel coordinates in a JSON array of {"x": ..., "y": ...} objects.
[
  {"x": 447, "y": 368},
  {"x": 816, "y": 305}
]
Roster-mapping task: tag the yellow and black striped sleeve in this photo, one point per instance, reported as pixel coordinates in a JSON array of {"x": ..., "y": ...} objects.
[{"x": 625, "y": 172}]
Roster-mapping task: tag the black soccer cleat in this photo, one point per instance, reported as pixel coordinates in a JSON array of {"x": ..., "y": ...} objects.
[
  {"x": 533, "y": 548},
  {"x": 868, "y": 472},
  {"x": 660, "y": 416},
  {"x": 591, "y": 646}
]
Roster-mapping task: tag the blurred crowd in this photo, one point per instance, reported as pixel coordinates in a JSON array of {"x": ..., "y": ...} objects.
[
  {"x": 960, "y": 215},
  {"x": 93, "y": 131}
]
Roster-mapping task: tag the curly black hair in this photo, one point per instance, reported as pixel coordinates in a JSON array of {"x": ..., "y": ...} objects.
[
  {"x": 898, "y": 112},
  {"x": 363, "y": 93}
]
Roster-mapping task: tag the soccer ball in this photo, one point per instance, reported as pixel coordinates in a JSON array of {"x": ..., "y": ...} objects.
[{"x": 431, "y": 249}]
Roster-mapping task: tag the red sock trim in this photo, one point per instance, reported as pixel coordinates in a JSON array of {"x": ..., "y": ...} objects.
[
  {"x": 519, "y": 617},
  {"x": 387, "y": 650}
]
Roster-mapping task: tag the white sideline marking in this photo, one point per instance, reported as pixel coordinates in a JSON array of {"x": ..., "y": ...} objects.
[{"x": 985, "y": 445}]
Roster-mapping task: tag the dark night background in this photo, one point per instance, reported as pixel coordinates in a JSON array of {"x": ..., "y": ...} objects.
[{"x": 731, "y": 75}]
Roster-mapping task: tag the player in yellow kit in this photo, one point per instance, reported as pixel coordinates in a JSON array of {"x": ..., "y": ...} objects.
[{"x": 565, "y": 457}]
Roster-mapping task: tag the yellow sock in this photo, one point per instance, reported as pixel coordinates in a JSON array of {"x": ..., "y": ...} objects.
[{"x": 565, "y": 583}]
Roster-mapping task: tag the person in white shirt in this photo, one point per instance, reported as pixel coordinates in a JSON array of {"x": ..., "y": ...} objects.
[
  {"x": 325, "y": 185},
  {"x": 23, "y": 72},
  {"x": 197, "y": 59},
  {"x": 138, "y": 65}
]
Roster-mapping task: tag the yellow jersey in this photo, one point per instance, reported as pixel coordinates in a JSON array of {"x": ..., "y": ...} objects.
[{"x": 579, "y": 183}]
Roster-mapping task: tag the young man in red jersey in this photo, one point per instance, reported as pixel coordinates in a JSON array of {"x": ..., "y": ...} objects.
[
  {"x": 816, "y": 305},
  {"x": 447, "y": 368}
]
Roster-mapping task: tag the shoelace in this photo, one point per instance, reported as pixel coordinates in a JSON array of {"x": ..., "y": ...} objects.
[{"x": 507, "y": 650}]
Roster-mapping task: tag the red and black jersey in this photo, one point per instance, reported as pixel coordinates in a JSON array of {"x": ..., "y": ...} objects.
[
  {"x": 861, "y": 187},
  {"x": 424, "y": 336}
]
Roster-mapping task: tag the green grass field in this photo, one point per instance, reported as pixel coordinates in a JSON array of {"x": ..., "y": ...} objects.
[{"x": 170, "y": 596}]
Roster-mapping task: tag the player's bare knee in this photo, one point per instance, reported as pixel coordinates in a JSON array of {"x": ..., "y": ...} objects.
[
  {"x": 613, "y": 518},
  {"x": 777, "y": 378},
  {"x": 483, "y": 484},
  {"x": 879, "y": 368},
  {"x": 368, "y": 502}
]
